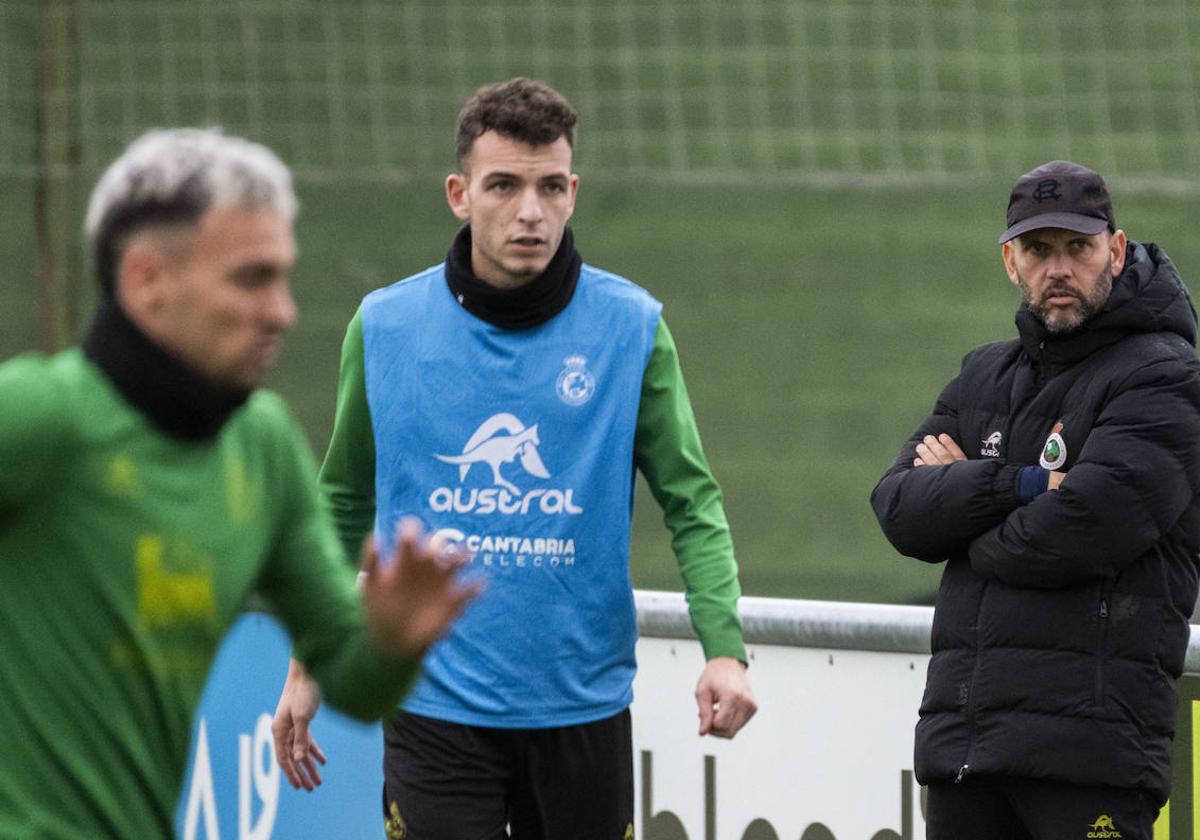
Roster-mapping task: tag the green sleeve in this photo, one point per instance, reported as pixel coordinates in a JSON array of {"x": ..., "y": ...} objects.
[
  {"x": 348, "y": 473},
  {"x": 311, "y": 588},
  {"x": 667, "y": 450},
  {"x": 34, "y": 429}
]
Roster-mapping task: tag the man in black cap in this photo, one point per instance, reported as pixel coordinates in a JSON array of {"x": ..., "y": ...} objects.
[{"x": 1058, "y": 478}]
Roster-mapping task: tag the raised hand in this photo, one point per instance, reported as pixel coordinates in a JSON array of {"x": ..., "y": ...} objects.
[{"x": 412, "y": 601}]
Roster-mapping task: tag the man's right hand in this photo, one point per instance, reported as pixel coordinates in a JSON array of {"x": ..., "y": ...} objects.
[{"x": 295, "y": 749}]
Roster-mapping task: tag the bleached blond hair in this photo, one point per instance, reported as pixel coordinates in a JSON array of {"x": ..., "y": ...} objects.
[{"x": 172, "y": 177}]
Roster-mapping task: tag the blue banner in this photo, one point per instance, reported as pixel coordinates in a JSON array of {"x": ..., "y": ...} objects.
[{"x": 234, "y": 790}]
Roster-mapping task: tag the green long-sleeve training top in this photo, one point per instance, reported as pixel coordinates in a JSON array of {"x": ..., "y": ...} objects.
[{"x": 125, "y": 554}]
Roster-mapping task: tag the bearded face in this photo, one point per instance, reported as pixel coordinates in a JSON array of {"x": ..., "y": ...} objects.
[
  {"x": 1064, "y": 306},
  {"x": 1065, "y": 277}
]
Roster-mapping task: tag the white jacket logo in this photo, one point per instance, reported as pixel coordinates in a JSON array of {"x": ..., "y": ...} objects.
[
  {"x": 991, "y": 445},
  {"x": 499, "y": 440}
]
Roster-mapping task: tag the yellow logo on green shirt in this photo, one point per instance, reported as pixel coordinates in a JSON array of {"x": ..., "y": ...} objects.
[
  {"x": 238, "y": 493},
  {"x": 122, "y": 478},
  {"x": 179, "y": 590}
]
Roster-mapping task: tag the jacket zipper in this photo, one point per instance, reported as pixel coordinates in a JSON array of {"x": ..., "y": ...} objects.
[
  {"x": 963, "y": 770},
  {"x": 1101, "y": 651}
]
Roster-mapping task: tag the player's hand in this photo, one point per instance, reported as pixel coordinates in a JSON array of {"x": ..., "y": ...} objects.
[
  {"x": 295, "y": 749},
  {"x": 935, "y": 451},
  {"x": 412, "y": 601},
  {"x": 724, "y": 697}
]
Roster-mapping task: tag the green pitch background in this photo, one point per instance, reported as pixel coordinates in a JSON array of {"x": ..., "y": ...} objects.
[{"x": 816, "y": 327}]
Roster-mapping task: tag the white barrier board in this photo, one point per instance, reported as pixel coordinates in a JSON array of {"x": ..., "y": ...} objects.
[
  {"x": 830, "y": 747},
  {"x": 831, "y": 744}
]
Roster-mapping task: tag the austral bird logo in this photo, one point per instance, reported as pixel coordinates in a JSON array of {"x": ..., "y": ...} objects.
[
  {"x": 991, "y": 445},
  {"x": 395, "y": 826},
  {"x": 1104, "y": 828},
  {"x": 501, "y": 439}
]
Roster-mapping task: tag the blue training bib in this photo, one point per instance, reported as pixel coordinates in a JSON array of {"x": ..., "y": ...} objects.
[{"x": 519, "y": 444}]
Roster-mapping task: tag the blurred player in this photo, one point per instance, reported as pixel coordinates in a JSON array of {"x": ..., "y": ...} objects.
[
  {"x": 1059, "y": 477},
  {"x": 505, "y": 398},
  {"x": 147, "y": 489}
]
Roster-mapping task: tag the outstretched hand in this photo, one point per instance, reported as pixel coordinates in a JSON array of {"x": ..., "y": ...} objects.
[
  {"x": 412, "y": 601},
  {"x": 409, "y": 605}
]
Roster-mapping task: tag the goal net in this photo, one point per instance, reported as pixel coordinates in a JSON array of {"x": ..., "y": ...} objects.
[{"x": 820, "y": 91}]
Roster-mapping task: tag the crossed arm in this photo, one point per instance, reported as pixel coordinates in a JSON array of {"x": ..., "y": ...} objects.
[
  {"x": 942, "y": 449},
  {"x": 1133, "y": 478}
]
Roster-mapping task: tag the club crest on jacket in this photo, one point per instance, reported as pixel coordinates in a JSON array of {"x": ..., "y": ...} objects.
[{"x": 1054, "y": 453}]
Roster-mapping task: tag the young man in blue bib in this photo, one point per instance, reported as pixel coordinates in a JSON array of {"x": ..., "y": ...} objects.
[{"x": 505, "y": 398}]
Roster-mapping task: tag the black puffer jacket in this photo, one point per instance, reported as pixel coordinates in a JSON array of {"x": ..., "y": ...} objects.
[{"x": 1061, "y": 624}]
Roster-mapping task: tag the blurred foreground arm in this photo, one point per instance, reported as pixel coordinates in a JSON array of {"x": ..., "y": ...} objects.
[
  {"x": 36, "y": 435},
  {"x": 410, "y": 603}
]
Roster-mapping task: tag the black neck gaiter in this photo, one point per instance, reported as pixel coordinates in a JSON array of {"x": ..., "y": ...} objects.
[
  {"x": 178, "y": 401},
  {"x": 526, "y": 306}
]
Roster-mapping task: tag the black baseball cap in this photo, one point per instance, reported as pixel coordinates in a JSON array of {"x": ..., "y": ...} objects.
[{"x": 1059, "y": 194}]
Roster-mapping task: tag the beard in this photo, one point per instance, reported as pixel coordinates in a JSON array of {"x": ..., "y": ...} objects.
[{"x": 1062, "y": 320}]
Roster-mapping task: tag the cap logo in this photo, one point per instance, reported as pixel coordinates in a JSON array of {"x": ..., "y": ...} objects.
[{"x": 1047, "y": 190}]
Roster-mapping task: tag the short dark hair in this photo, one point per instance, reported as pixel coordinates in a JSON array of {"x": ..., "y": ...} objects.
[{"x": 521, "y": 109}]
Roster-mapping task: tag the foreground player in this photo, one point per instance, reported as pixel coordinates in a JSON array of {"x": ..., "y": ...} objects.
[
  {"x": 505, "y": 397},
  {"x": 146, "y": 489},
  {"x": 1059, "y": 477}
]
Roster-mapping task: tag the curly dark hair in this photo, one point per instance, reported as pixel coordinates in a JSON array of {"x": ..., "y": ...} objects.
[{"x": 521, "y": 109}]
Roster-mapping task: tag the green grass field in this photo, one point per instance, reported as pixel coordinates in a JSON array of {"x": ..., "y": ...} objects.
[{"x": 816, "y": 327}]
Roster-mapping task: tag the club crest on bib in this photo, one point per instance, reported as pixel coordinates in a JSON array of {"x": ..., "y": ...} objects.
[
  {"x": 576, "y": 384},
  {"x": 1054, "y": 452}
]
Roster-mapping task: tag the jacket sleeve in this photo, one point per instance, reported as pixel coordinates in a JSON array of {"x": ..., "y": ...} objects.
[
  {"x": 35, "y": 436},
  {"x": 1137, "y": 473},
  {"x": 347, "y": 476},
  {"x": 932, "y": 512},
  {"x": 310, "y": 587},
  {"x": 667, "y": 450}
]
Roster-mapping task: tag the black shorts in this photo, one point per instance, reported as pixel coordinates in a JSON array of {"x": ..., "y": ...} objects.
[
  {"x": 1005, "y": 808},
  {"x": 449, "y": 781}
]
